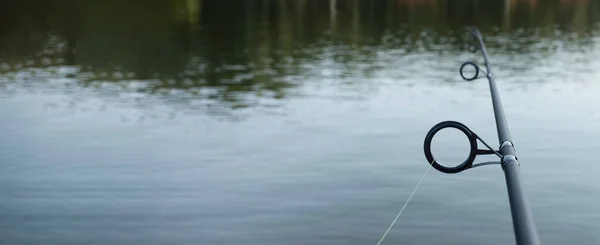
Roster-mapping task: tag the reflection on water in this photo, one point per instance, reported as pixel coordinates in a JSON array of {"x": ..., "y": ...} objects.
[
  {"x": 334, "y": 97},
  {"x": 216, "y": 54}
]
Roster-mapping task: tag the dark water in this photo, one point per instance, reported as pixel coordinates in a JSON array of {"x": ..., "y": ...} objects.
[{"x": 289, "y": 122}]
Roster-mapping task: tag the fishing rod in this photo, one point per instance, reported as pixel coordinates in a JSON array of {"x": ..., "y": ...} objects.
[{"x": 523, "y": 224}]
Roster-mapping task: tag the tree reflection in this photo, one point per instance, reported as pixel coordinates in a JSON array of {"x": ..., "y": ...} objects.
[{"x": 233, "y": 53}]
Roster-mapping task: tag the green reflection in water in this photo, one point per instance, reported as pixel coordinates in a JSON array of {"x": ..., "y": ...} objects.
[{"x": 235, "y": 52}]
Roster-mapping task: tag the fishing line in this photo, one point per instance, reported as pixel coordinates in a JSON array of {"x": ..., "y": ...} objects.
[{"x": 404, "y": 206}]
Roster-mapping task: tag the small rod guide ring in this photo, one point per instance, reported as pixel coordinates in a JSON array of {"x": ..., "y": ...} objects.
[{"x": 462, "y": 67}]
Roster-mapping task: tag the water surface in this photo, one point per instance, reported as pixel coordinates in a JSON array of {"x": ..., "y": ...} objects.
[{"x": 289, "y": 122}]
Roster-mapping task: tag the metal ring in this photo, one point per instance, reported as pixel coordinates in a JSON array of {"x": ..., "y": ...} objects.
[
  {"x": 468, "y": 163},
  {"x": 471, "y": 47},
  {"x": 462, "y": 67}
]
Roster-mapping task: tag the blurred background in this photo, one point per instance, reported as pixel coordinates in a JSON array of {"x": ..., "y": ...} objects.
[{"x": 290, "y": 121}]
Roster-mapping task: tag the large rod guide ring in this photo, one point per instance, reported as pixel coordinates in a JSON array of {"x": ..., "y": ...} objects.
[
  {"x": 468, "y": 163},
  {"x": 474, "y": 151}
]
